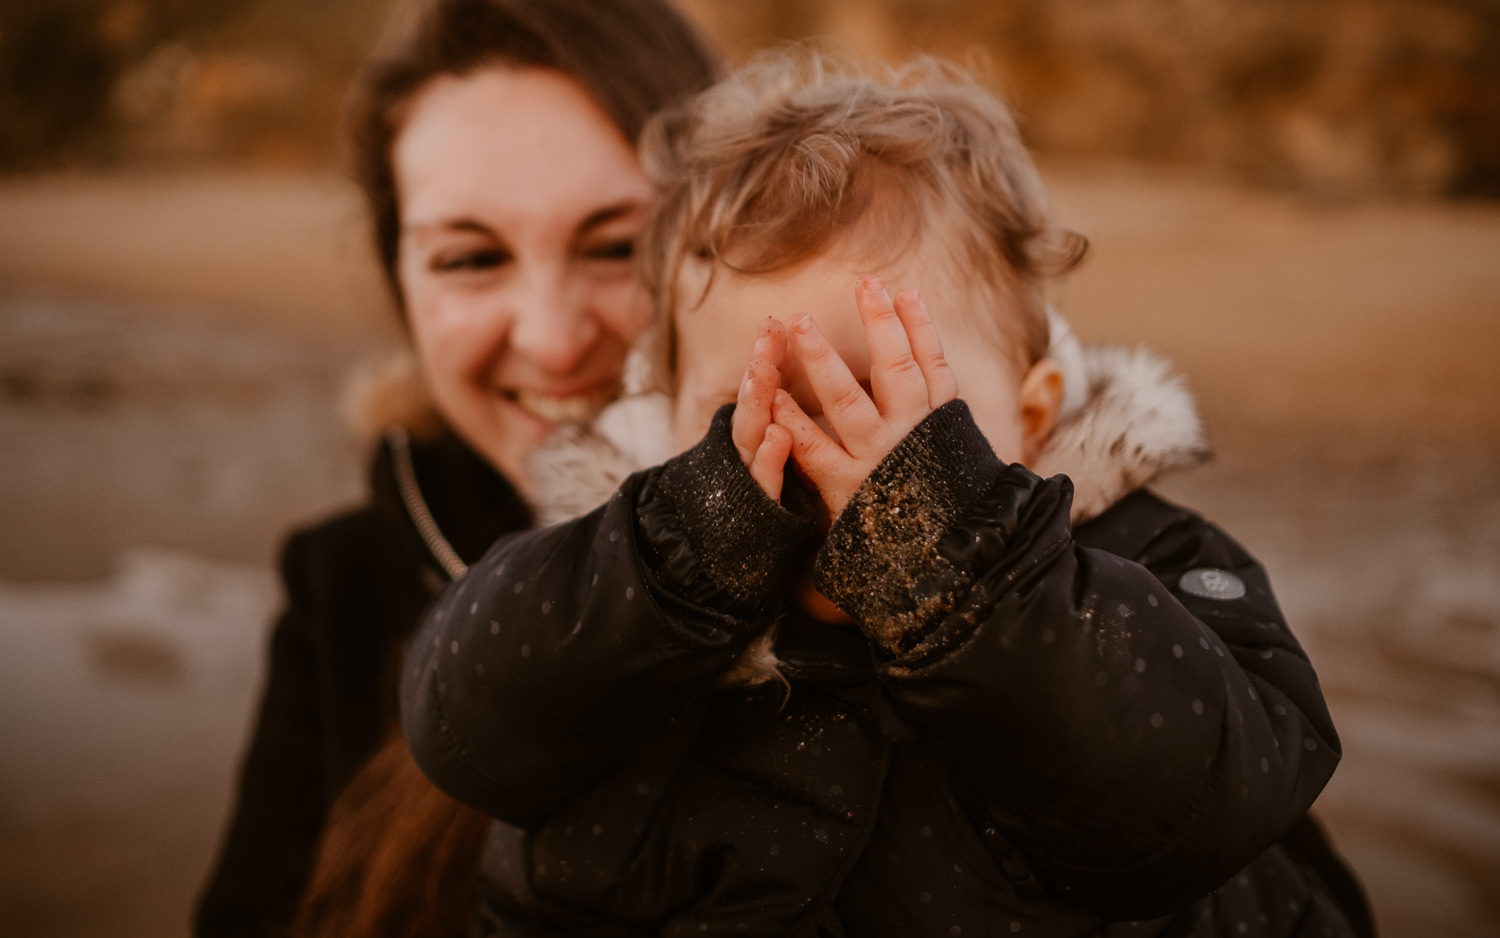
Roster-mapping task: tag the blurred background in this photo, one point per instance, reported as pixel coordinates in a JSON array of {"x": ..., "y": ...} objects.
[{"x": 1293, "y": 199}]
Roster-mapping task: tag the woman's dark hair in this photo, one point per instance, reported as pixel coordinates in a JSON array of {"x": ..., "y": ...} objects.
[
  {"x": 633, "y": 57},
  {"x": 398, "y": 858}
]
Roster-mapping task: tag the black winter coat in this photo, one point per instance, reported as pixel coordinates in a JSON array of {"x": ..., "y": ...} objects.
[
  {"x": 1033, "y": 730},
  {"x": 355, "y": 586}
]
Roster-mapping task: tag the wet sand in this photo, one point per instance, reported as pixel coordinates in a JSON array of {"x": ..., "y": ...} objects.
[{"x": 171, "y": 356}]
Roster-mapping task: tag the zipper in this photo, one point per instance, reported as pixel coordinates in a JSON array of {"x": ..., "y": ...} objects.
[{"x": 416, "y": 506}]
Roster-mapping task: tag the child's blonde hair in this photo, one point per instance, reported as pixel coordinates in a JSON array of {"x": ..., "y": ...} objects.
[{"x": 765, "y": 169}]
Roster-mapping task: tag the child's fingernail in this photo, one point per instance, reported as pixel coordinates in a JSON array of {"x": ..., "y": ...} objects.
[
  {"x": 802, "y": 323},
  {"x": 874, "y": 284},
  {"x": 762, "y": 328}
]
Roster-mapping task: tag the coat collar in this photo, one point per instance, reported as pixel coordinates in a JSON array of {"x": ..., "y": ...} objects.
[
  {"x": 423, "y": 476},
  {"x": 1126, "y": 420},
  {"x": 451, "y": 503}
]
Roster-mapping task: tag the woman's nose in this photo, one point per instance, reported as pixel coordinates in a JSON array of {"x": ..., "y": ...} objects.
[{"x": 553, "y": 327}]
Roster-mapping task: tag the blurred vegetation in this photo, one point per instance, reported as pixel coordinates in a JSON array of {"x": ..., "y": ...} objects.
[
  {"x": 1348, "y": 97},
  {"x": 1335, "y": 96},
  {"x": 177, "y": 83}
]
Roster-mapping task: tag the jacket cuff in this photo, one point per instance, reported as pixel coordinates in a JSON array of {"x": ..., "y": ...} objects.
[
  {"x": 745, "y": 542},
  {"x": 880, "y": 562}
]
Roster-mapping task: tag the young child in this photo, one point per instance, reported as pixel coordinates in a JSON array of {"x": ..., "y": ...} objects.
[{"x": 846, "y": 666}]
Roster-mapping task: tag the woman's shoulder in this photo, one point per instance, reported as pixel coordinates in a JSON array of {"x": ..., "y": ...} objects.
[
  {"x": 350, "y": 564},
  {"x": 360, "y": 532},
  {"x": 432, "y": 507}
]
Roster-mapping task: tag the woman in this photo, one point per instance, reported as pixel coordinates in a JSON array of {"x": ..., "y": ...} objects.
[{"x": 495, "y": 148}]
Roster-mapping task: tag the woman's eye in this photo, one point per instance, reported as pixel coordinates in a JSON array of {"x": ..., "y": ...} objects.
[
  {"x": 485, "y": 259},
  {"x": 612, "y": 251}
]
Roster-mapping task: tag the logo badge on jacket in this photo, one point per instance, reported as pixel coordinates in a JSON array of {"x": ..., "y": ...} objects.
[{"x": 1212, "y": 583}]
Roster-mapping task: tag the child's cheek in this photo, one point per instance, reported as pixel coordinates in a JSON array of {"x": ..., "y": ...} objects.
[
  {"x": 1001, "y": 425},
  {"x": 693, "y": 411},
  {"x": 796, "y": 384},
  {"x": 685, "y": 422},
  {"x": 846, "y": 333}
]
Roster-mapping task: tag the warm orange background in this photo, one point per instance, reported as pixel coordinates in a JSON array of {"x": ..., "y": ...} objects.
[{"x": 1289, "y": 200}]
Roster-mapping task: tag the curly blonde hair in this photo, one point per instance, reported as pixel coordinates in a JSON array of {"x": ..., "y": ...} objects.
[{"x": 767, "y": 168}]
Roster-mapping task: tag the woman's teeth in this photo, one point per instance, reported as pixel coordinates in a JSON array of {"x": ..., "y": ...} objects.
[{"x": 572, "y": 408}]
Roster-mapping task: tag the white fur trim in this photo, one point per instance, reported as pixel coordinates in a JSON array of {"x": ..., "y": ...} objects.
[
  {"x": 1067, "y": 352},
  {"x": 578, "y": 469},
  {"x": 645, "y": 369},
  {"x": 1128, "y": 421},
  {"x": 1133, "y": 422},
  {"x": 757, "y": 664},
  {"x": 574, "y": 473},
  {"x": 640, "y": 428},
  {"x": 1137, "y": 422}
]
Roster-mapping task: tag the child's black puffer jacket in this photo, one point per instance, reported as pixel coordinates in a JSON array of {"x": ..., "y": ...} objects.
[{"x": 1032, "y": 730}]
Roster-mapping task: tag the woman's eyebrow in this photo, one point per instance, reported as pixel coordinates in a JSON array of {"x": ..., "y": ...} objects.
[
  {"x": 608, "y": 214},
  {"x": 453, "y": 224}
]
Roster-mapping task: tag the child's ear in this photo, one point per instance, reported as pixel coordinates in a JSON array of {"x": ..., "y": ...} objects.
[{"x": 1040, "y": 401}]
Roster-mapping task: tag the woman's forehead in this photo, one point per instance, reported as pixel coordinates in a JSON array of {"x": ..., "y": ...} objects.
[{"x": 510, "y": 147}]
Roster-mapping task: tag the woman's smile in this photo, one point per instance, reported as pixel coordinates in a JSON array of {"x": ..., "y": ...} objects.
[{"x": 555, "y": 409}]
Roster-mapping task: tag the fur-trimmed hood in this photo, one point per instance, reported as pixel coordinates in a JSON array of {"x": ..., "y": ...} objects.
[{"x": 1126, "y": 420}]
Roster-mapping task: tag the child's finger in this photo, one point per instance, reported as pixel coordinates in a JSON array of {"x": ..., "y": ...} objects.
[
  {"x": 768, "y": 468},
  {"x": 927, "y": 349},
  {"x": 812, "y": 448},
  {"x": 895, "y": 378},
  {"x": 825, "y": 463},
  {"x": 752, "y": 413},
  {"x": 846, "y": 405},
  {"x": 774, "y": 333}
]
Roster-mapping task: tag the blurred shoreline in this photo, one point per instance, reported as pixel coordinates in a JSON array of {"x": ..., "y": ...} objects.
[{"x": 173, "y": 350}]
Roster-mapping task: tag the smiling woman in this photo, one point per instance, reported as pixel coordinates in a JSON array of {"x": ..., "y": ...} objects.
[
  {"x": 523, "y": 301},
  {"x": 495, "y": 146}
]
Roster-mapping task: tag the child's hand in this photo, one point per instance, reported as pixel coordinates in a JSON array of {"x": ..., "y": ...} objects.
[
  {"x": 763, "y": 446},
  {"x": 909, "y": 378}
]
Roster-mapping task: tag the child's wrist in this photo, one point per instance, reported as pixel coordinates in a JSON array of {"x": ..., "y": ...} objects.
[
  {"x": 746, "y": 542},
  {"x": 884, "y": 542}
]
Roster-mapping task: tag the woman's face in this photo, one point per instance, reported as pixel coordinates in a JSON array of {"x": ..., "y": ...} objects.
[{"x": 520, "y": 204}]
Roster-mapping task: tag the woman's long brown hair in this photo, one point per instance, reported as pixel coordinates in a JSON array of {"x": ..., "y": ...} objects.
[{"x": 398, "y": 858}]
